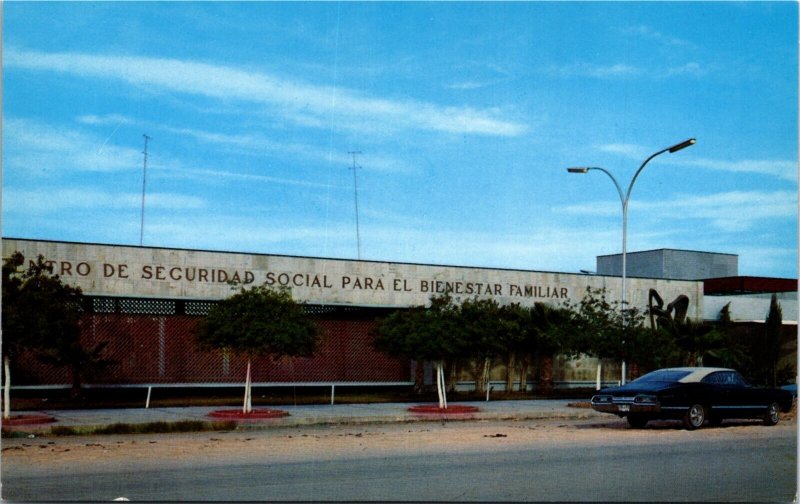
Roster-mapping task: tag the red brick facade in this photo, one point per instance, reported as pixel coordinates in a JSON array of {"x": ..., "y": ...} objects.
[{"x": 160, "y": 349}]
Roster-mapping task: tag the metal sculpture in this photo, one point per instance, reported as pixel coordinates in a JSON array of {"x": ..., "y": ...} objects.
[{"x": 674, "y": 312}]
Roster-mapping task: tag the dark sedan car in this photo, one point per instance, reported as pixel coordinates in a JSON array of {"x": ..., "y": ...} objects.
[{"x": 694, "y": 395}]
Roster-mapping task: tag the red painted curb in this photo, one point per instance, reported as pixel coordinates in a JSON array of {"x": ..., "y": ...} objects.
[
  {"x": 28, "y": 420},
  {"x": 256, "y": 414},
  {"x": 452, "y": 409}
]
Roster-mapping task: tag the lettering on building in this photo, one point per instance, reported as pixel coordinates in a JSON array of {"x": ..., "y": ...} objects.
[{"x": 397, "y": 283}]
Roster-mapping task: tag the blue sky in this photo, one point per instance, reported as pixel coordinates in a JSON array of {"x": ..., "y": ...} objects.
[{"x": 466, "y": 116}]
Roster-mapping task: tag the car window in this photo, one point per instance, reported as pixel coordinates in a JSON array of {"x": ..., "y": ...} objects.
[
  {"x": 738, "y": 380},
  {"x": 729, "y": 378},
  {"x": 665, "y": 375}
]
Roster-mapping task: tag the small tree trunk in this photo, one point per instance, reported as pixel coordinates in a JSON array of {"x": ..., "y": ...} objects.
[
  {"x": 451, "y": 387},
  {"x": 444, "y": 387},
  {"x": 7, "y": 387},
  {"x": 599, "y": 383},
  {"x": 634, "y": 370},
  {"x": 419, "y": 377},
  {"x": 479, "y": 376},
  {"x": 523, "y": 375},
  {"x": 75, "y": 393},
  {"x": 510, "y": 372},
  {"x": 248, "y": 403},
  {"x": 547, "y": 374},
  {"x": 475, "y": 371},
  {"x": 441, "y": 387},
  {"x": 487, "y": 369}
]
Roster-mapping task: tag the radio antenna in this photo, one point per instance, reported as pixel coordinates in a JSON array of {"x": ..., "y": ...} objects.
[
  {"x": 144, "y": 186},
  {"x": 355, "y": 197}
]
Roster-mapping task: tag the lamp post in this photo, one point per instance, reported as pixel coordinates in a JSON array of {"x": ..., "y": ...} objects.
[{"x": 624, "y": 198}]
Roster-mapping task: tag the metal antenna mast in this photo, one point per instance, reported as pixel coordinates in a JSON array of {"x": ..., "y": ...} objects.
[
  {"x": 355, "y": 195},
  {"x": 144, "y": 186}
]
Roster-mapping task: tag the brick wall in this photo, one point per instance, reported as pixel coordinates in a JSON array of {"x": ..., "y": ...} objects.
[{"x": 161, "y": 350}]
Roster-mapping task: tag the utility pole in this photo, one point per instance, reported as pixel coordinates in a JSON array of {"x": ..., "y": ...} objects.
[
  {"x": 144, "y": 186},
  {"x": 355, "y": 196}
]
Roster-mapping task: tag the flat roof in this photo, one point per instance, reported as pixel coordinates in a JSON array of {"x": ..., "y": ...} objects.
[
  {"x": 748, "y": 285},
  {"x": 671, "y": 250}
]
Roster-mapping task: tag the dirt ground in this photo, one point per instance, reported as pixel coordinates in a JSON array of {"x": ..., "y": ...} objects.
[{"x": 114, "y": 453}]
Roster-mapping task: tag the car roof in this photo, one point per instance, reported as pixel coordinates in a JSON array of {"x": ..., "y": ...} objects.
[{"x": 696, "y": 374}]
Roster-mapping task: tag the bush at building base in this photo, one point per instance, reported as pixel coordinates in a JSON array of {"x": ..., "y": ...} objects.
[
  {"x": 455, "y": 409},
  {"x": 256, "y": 414}
]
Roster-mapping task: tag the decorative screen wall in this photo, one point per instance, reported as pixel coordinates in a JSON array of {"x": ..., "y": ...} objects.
[{"x": 152, "y": 342}]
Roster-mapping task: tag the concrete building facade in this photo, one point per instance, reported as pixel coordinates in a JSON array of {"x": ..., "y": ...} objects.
[
  {"x": 145, "y": 302},
  {"x": 671, "y": 263}
]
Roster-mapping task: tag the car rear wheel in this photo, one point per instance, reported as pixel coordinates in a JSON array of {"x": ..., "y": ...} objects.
[
  {"x": 773, "y": 414},
  {"x": 695, "y": 417},
  {"x": 637, "y": 421}
]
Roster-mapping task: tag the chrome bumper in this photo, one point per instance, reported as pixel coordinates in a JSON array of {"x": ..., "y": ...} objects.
[{"x": 625, "y": 405}]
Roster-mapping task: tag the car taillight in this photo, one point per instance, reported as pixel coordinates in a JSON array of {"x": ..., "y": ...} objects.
[{"x": 644, "y": 398}]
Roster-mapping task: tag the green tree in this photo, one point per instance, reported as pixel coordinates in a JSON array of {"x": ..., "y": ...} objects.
[
  {"x": 597, "y": 330},
  {"x": 651, "y": 349},
  {"x": 555, "y": 335},
  {"x": 17, "y": 331},
  {"x": 68, "y": 351},
  {"x": 516, "y": 335},
  {"x": 545, "y": 331},
  {"x": 424, "y": 334},
  {"x": 488, "y": 334},
  {"x": 40, "y": 313},
  {"x": 259, "y": 321},
  {"x": 772, "y": 341},
  {"x": 695, "y": 339},
  {"x": 597, "y": 323},
  {"x": 732, "y": 353}
]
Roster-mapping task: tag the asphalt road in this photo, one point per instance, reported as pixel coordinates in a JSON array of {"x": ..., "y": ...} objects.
[{"x": 749, "y": 463}]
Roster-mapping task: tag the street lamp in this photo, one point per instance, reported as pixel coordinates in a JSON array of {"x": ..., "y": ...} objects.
[{"x": 624, "y": 198}]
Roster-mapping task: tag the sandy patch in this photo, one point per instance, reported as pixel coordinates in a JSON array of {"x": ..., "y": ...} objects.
[{"x": 115, "y": 453}]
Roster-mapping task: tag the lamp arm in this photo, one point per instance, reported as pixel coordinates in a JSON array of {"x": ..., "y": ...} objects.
[
  {"x": 635, "y": 175},
  {"x": 616, "y": 184}
]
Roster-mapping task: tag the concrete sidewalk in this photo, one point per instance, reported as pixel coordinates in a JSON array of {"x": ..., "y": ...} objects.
[{"x": 311, "y": 414}]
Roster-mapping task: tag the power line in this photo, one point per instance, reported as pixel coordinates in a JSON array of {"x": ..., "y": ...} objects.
[
  {"x": 355, "y": 197},
  {"x": 144, "y": 186}
]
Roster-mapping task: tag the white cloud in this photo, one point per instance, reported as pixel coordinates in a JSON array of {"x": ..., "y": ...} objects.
[
  {"x": 467, "y": 85},
  {"x": 103, "y": 120},
  {"x": 259, "y": 144},
  {"x": 781, "y": 168},
  {"x": 624, "y": 70},
  {"x": 732, "y": 211},
  {"x": 763, "y": 260},
  {"x": 736, "y": 210},
  {"x": 647, "y": 32},
  {"x": 692, "y": 69},
  {"x": 34, "y": 147},
  {"x": 57, "y": 200},
  {"x": 211, "y": 176},
  {"x": 542, "y": 249},
  {"x": 611, "y": 71},
  {"x": 172, "y": 201},
  {"x": 609, "y": 207},
  {"x": 288, "y": 96},
  {"x": 43, "y": 150},
  {"x": 626, "y": 150}
]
